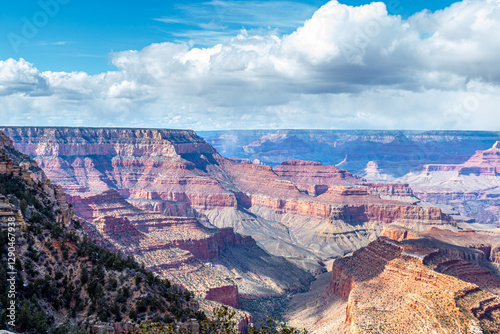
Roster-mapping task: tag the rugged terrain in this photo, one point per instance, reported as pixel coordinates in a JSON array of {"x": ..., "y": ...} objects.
[
  {"x": 228, "y": 229},
  {"x": 142, "y": 191},
  {"x": 393, "y": 153},
  {"x": 457, "y": 170},
  {"x": 63, "y": 282},
  {"x": 435, "y": 281},
  {"x": 302, "y": 210},
  {"x": 471, "y": 189}
]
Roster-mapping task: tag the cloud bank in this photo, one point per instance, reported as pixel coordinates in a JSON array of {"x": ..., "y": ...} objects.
[{"x": 346, "y": 67}]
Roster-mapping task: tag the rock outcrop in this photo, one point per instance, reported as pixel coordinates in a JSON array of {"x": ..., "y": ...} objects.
[
  {"x": 414, "y": 287},
  {"x": 302, "y": 210},
  {"x": 486, "y": 163},
  {"x": 141, "y": 192},
  {"x": 62, "y": 281},
  {"x": 471, "y": 189},
  {"x": 471, "y": 245},
  {"x": 312, "y": 177}
]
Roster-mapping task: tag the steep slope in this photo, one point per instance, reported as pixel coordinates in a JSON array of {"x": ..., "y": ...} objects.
[
  {"x": 143, "y": 191},
  {"x": 471, "y": 189},
  {"x": 340, "y": 219},
  {"x": 60, "y": 279},
  {"x": 302, "y": 210},
  {"x": 393, "y": 287}
]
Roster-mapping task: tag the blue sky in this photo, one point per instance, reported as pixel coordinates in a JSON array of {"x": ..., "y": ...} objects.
[
  {"x": 228, "y": 64},
  {"x": 82, "y": 34}
]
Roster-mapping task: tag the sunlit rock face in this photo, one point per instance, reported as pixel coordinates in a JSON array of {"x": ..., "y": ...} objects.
[
  {"x": 143, "y": 192},
  {"x": 457, "y": 170},
  {"x": 413, "y": 286},
  {"x": 208, "y": 222},
  {"x": 471, "y": 189}
]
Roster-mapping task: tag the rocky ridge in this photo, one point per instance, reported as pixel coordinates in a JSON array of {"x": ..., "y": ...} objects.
[
  {"x": 470, "y": 189},
  {"x": 429, "y": 290},
  {"x": 139, "y": 192},
  {"x": 395, "y": 153},
  {"x": 60, "y": 276},
  {"x": 302, "y": 210}
]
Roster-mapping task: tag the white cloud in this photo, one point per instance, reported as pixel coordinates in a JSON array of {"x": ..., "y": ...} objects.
[
  {"x": 345, "y": 67},
  {"x": 21, "y": 78}
]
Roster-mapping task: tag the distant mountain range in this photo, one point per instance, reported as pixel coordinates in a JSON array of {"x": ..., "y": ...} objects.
[{"x": 396, "y": 152}]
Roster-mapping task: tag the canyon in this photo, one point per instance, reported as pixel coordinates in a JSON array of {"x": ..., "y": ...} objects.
[
  {"x": 301, "y": 210},
  {"x": 235, "y": 229},
  {"x": 435, "y": 281},
  {"x": 470, "y": 189},
  {"x": 63, "y": 282},
  {"x": 395, "y": 153},
  {"x": 455, "y": 170}
]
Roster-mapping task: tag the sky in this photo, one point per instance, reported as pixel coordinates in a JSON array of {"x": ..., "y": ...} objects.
[{"x": 419, "y": 65}]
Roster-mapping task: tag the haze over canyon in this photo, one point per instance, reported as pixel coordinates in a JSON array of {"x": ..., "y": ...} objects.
[{"x": 403, "y": 237}]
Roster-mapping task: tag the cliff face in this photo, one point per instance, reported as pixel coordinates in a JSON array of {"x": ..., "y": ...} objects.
[
  {"x": 139, "y": 191},
  {"x": 388, "y": 285},
  {"x": 143, "y": 164},
  {"x": 472, "y": 188},
  {"x": 312, "y": 177},
  {"x": 302, "y": 210},
  {"x": 5, "y": 142},
  {"x": 485, "y": 163},
  {"x": 475, "y": 246},
  {"x": 62, "y": 281}
]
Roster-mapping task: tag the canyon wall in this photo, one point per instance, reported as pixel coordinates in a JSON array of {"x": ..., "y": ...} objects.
[
  {"x": 142, "y": 191},
  {"x": 395, "y": 152},
  {"x": 302, "y": 210},
  {"x": 397, "y": 287},
  {"x": 470, "y": 189}
]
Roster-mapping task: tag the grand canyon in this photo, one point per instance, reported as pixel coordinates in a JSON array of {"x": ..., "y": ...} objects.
[
  {"x": 250, "y": 167},
  {"x": 388, "y": 244}
]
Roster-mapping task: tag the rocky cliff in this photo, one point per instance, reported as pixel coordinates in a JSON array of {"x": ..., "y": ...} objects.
[
  {"x": 414, "y": 287},
  {"x": 302, "y": 210},
  {"x": 475, "y": 246},
  {"x": 471, "y": 189},
  {"x": 62, "y": 282},
  {"x": 143, "y": 192}
]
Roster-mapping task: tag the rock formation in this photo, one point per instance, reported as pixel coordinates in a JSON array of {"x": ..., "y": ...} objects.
[
  {"x": 391, "y": 154},
  {"x": 471, "y": 189},
  {"x": 223, "y": 228},
  {"x": 302, "y": 210},
  {"x": 62, "y": 282},
  {"x": 393, "y": 287},
  {"x": 142, "y": 191}
]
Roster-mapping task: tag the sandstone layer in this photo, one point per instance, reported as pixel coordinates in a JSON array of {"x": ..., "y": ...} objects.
[
  {"x": 141, "y": 192},
  {"x": 394, "y": 287},
  {"x": 471, "y": 189},
  {"x": 302, "y": 210}
]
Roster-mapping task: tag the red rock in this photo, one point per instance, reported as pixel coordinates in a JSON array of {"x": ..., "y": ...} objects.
[
  {"x": 314, "y": 178},
  {"x": 227, "y": 295},
  {"x": 484, "y": 162},
  {"x": 387, "y": 286},
  {"x": 148, "y": 176}
]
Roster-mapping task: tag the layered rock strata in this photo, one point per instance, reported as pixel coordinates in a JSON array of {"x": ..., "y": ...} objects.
[
  {"x": 471, "y": 189},
  {"x": 394, "y": 287},
  {"x": 302, "y": 210}
]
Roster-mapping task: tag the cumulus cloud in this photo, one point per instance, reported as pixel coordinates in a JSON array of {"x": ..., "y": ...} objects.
[
  {"x": 21, "y": 78},
  {"x": 345, "y": 67}
]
